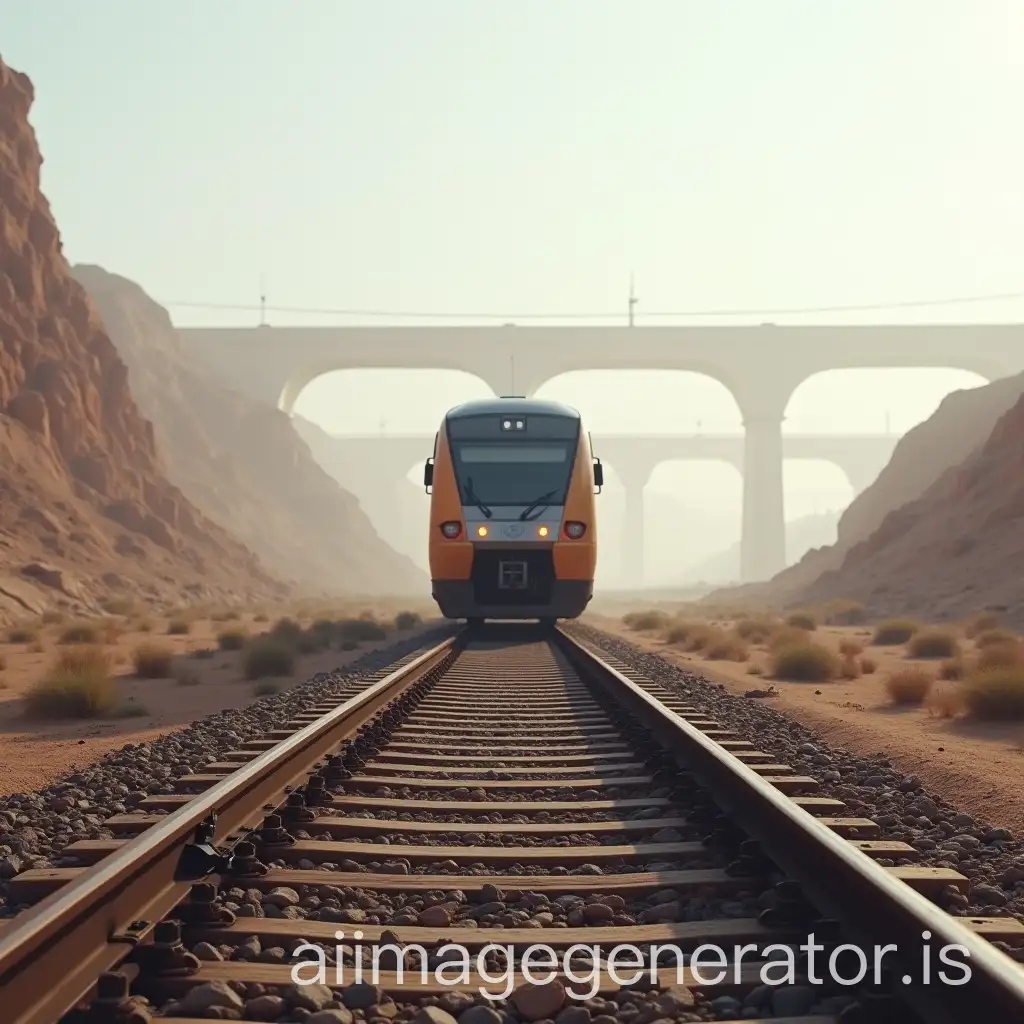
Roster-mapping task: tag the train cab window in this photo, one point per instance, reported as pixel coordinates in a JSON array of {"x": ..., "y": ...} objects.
[{"x": 513, "y": 474}]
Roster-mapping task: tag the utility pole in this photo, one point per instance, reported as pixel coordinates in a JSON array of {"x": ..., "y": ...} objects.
[{"x": 632, "y": 300}]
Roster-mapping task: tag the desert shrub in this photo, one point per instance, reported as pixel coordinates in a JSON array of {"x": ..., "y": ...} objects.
[
  {"x": 179, "y": 627},
  {"x": 994, "y": 636},
  {"x": 311, "y": 642},
  {"x": 894, "y": 631},
  {"x": 995, "y": 693},
  {"x": 848, "y": 667},
  {"x": 867, "y": 665},
  {"x": 788, "y": 636},
  {"x": 726, "y": 647},
  {"x": 933, "y": 643},
  {"x": 143, "y": 625},
  {"x": 952, "y": 668},
  {"x": 679, "y": 632},
  {"x": 349, "y": 645},
  {"x": 77, "y": 685},
  {"x": 80, "y": 633},
  {"x": 805, "y": 662},
  {"x": 845, "y": 613},
  {"x": 946, "y": 701},
  {"x": 1001, "y": 655},
  {"x": 226, "y": 615},
  {"x": 52, "y": 618},
  {"x": 910, "y": 685},
  {"x": 363, "y": 630},
  {"x": 118, "y": 606},
  {"x": 645, "y": 620},
  {"x": 152, "y": 661},
  {"x": 408, "y": 620},
  {"x": 850, "y": 648},
  {"x": 261, "y": 617},
  {"x": 980, "y": 623},
  {"x": 802, "y": 620},
  {"x": 186, "y": 676},
  {"x": 21, "y": 635},
  {"x": 266, "y": 688},
  {"x": 755, "y": 670},
  {"x": 286, "y": 629},
  {"x": 268, "y": 656},
  {"x": 232, "y": 639},
  {"x": 756, "y": 629}
]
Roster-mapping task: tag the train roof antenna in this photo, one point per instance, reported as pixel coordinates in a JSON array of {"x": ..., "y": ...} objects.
[{"x": 632, "y": 299}]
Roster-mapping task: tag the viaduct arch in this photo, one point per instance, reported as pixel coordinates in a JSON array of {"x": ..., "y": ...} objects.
[{"x": 760, "y": 366}]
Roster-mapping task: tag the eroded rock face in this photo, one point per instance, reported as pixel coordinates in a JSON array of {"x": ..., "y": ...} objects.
[
  {"x": 241, "y": 461},
  {"x": 73, "y": 444},
  {"x": 957, "y": 549}
]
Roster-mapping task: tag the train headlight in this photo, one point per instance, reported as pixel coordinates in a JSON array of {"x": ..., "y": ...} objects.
[
  {"x": 542, "y": 531},
  {"x": 575, "y": 530},
  {"x": 451, "y": 530},
  {"x": 481, "y": 531}
]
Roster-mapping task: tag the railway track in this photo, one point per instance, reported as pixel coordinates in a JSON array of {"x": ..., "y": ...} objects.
[{"x": 483, "y": 797}]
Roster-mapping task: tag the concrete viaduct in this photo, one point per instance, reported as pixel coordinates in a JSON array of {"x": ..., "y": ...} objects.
[
  {"x": 760, "y": 366},
  {"x": 362, "y": 460}
]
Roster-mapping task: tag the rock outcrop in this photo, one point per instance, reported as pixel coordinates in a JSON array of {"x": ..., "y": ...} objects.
[
  {"x": 85, "y": 508},
  {"x": 241, "y": 461},
  {"x": 956, "y": 549}
]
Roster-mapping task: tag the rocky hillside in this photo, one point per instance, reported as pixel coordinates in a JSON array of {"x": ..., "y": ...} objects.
[
  {"x": 959, "y": 426},
  {"x": 956, "y": 549},
  {"x": 85, "y": 509},
  {"x": 242, "y": 462}
]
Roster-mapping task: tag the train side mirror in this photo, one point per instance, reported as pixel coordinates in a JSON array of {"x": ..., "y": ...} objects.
[
  {"x": 428, "y": 474},
  {"x": 598, "y": 475}
]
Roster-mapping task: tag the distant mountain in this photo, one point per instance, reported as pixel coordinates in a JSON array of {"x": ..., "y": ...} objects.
[{"x": 803, "y": 534}]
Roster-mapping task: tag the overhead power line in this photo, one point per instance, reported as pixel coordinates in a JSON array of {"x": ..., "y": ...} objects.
[{"x": 262, "y": 308}]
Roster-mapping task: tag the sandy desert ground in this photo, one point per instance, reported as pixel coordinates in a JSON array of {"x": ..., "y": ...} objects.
[{"x": 972, "y": 764}]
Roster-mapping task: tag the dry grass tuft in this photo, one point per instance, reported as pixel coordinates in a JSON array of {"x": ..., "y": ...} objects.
[
  {"x": 933, "y": 643},
  {"x": 910, "y": 685},
  {"x": 868, "y": 665},
  {"x": 805, "y": 663},
  {"x": 757, "y": 629},
  {"x": 1000, "y": 655},
  {"x": 755, "y": 670},
  {"x": 52, "y": 618},
  {"x": 953, "y": 668},
  {"x": 802, "y": 620},
  {"x": 179, "y": 627},
  {"x": 22, "y": 635},
  {"x": 152, "y": 661},
  {"x": 80, "y": 633},
  {"x": 848, "y": 668},
  {"x": 726, "y": 647},
  {"x": 946, "y": 701},
  {"x": 994, "y": 636},
  {"x": 996, "y": 694},
  {"x": 408, "y": 620},
  {"x": 232, "y": 639},
  {"x": 645, "y": 620},
  {"x": 894, "y": 631},
  {"x": 788, "y": 636},
  {"x": 981, "y": 622},
  {"x": 268, "y": 656},
  {"x": 77, "y": 685},
  {"x": 850, "y": 648}
]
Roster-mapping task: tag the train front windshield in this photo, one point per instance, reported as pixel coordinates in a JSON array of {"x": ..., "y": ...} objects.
[{"x": 500, "y": 473}]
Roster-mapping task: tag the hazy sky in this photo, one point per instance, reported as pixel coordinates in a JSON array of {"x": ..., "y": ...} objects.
[{"x": 526, "y": 157}]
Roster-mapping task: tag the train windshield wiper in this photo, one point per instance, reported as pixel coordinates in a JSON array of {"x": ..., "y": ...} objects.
[
  {"x": 538, "y": 503},
  {"x": 474, "y": 499}
]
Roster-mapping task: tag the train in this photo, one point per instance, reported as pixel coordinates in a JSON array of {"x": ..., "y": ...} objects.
[{"x": 513, "y": 531}]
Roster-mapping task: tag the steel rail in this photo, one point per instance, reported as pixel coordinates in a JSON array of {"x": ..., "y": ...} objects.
[
  {"x": 52, "y": 955},
  {"x": 874, "y": 908}
]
